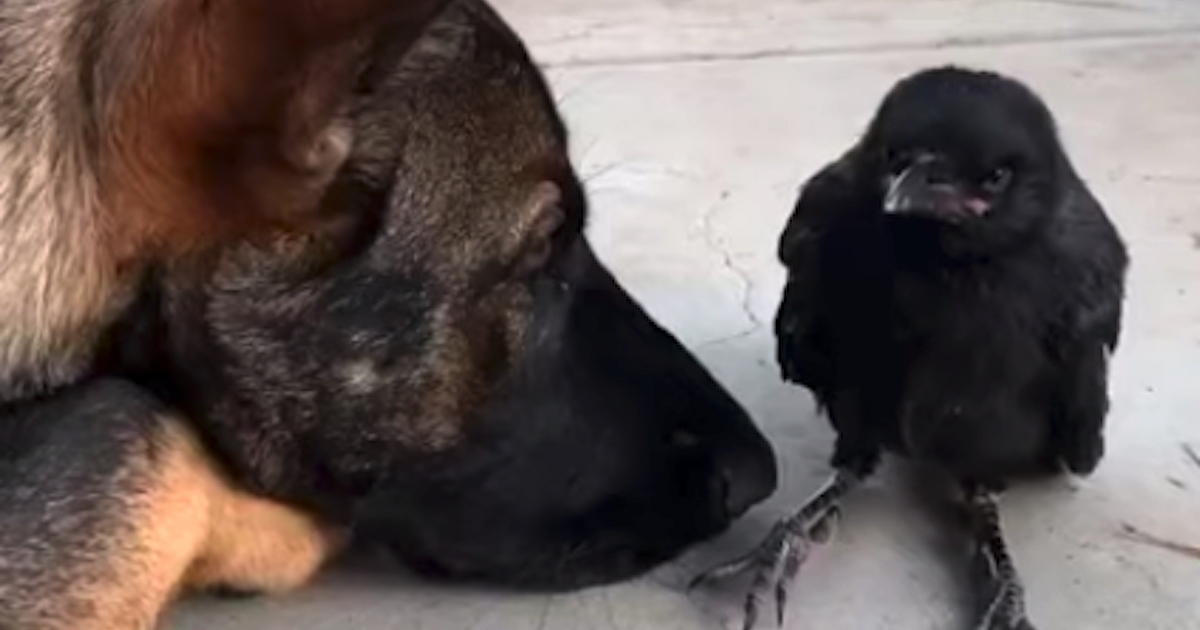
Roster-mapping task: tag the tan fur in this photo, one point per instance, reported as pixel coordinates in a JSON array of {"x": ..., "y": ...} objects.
[
  {"x": 254, "y": 544},
  {"x": 190, "y": 529}
]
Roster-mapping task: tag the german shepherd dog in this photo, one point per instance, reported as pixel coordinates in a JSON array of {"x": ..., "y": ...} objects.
[{"x": 279, "y": 274}]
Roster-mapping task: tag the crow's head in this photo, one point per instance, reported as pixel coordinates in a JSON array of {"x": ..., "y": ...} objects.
[{"x": 973, "y": 152}]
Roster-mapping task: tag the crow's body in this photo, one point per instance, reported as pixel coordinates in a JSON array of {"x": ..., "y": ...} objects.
[
  {"x": 990, "y": 368},
  {"x": 954, "y": 294}
]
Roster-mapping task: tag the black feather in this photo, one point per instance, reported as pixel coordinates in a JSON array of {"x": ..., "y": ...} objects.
[
  {"x": 978, "y": 344},
  {"x": 954, "y": 292}
]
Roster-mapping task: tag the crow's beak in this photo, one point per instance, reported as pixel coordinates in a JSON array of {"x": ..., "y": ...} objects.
[
  {"x": 906, "y": 191},
  {"x": 923, "y": 188}
]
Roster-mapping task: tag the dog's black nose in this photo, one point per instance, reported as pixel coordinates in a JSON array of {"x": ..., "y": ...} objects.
[
  {"x": 748, "y": 477},
  {"x": 743, "y": 474}
]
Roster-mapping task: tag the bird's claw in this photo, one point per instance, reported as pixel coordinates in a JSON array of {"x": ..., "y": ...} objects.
[
  {"x": 1006, "y": 612},
  {"x": 1006, "y": 607},
  {"x": 774, "y": 564}
]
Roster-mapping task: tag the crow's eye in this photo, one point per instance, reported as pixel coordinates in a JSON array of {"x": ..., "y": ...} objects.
[
  {"x": 997, "y": 180},
  {"x": 895, "y": 160}
]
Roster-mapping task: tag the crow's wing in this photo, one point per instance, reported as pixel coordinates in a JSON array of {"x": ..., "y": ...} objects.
[
  {"x": 1088, "y": 332},
  {"x": 803, "y": 349}
]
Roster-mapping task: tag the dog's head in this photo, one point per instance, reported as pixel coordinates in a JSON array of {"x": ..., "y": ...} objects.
[{"x": 454, "y": 365}]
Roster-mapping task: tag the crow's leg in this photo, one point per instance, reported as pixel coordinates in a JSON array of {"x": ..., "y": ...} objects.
[
  {"x": 999, "y": 588},
  {"x": 776, "y": 562}
]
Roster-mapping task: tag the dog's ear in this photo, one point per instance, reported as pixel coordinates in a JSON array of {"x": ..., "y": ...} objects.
[{"x": 224, "y": 117}]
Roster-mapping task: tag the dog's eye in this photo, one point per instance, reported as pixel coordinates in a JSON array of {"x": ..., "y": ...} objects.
[
  {"x": 538, "y": 238},
  {"x": 997, "y": 180},
  {"x": 538, "y": 254},
  {"x": 539, "y": 247}
]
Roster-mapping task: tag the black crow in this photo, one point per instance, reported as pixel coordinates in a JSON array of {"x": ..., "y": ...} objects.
[{"x": 954, "y": 294}]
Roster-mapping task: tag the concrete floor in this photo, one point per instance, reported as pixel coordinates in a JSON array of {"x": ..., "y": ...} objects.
[{"x": 694, "y": 122}]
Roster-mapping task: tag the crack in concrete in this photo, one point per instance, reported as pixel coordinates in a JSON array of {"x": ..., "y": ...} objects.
[
  {"x": 717, "y": 245},
  {"x": 1002, "y": 40},
  {"x": 545, "y": 612}
]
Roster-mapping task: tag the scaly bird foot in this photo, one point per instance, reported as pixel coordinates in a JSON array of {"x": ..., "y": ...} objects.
[
  {"x": 1006, "y": 600},
  {"x": 776, "y": 562},
  {"x": 998, "y": 585}
]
